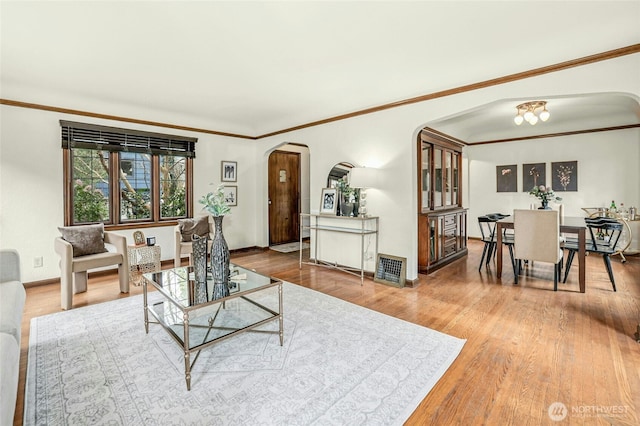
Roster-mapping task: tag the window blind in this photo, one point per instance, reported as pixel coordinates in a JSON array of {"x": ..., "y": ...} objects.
[{"x": 92, "y": 136}]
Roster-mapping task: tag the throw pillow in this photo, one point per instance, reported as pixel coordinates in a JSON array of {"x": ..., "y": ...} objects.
[
  {"x": 194, "y": 226},
  {"x": 85, "y": 239}
]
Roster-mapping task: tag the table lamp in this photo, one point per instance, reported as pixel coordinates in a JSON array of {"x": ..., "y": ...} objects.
[{"x": 362, "y": 178}]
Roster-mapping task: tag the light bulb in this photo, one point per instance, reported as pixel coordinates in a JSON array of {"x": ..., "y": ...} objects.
[
  {"x": 528, "y": 115},
  {"x": 544, "y": 115},
  {"x": 533, "y": 120},
  {"x": 518, "y": 119}
]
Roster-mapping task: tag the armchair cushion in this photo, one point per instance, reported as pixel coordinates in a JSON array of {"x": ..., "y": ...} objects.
[
  {"x": 85, "y": 239},
  {"x": 195, "y": 226}
]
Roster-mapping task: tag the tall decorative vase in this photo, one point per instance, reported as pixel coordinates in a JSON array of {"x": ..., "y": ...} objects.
[
  {"x": 219, "y": 261},
  {"x": 199, "y": 256}
]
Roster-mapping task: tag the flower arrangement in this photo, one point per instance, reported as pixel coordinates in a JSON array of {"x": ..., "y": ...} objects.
[
  {"x": 215, "y": 203},
  {"x": 545, "y": 194}
]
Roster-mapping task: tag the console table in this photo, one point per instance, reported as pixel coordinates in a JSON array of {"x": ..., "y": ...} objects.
[{"x": 359, "y": 226}]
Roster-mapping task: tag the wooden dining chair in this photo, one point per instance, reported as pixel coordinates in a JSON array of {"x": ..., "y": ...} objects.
[{"x": 536, "y": 239}]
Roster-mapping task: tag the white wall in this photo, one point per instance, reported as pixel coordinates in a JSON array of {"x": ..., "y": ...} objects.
[
  {"x": 31, "y": 186},
  {"x": 31, "y": 164},
  {"x": 608, "y": 169},
  {"x": 387, "y": 140}
]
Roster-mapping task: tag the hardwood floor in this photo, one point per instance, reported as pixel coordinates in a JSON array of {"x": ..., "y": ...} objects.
[{"x": 527, "y": 346}]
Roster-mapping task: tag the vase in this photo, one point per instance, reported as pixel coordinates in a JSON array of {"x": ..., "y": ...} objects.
[
  {"x": 199, "y": 258},
  {"x": 219, "y": 261},
  {"x": 545, "y": 205}
]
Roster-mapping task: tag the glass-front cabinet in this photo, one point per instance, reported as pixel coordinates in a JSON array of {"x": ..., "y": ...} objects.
[{"x": 442, "y": 221}]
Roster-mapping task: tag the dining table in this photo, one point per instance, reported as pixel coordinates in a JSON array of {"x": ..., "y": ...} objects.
[{"x": 568, "y": 225}]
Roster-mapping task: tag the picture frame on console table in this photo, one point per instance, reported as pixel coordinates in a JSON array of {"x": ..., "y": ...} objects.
[{"x": 329, "y": 201}]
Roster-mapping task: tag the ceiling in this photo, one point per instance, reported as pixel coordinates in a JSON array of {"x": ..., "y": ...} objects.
[{"x": 252, "y": 68}]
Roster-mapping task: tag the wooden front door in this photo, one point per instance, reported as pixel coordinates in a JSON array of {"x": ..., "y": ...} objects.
[{"x": 284, "y": 197}]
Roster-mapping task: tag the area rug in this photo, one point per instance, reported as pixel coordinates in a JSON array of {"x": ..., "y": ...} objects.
[
  {"x": 289, "y": 247},
  {"x": 340, "y": 364}
]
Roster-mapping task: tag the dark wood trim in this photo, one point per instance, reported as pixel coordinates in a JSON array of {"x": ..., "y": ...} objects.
[
  {"x": 119, "y": 118},
  {"x": 439, "y": 138},
  {"x": 610, "y": 54},
  {"x": 553, "y": 135}
]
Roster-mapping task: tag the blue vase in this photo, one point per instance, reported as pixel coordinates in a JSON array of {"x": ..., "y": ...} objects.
[{"x": 219, "y": 261}]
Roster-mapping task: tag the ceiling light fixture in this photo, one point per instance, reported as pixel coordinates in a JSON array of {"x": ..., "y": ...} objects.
[{"x": 527, "y": 112}]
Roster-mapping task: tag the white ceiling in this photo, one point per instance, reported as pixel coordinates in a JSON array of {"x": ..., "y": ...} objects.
[{"x": 257, "y": 67}]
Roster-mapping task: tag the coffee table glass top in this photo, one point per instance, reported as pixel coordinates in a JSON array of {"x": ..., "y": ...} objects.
[{"x": 179, "y": 285}]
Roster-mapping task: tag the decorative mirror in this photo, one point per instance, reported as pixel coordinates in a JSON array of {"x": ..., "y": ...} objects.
[{"x": 338, "y": 171}]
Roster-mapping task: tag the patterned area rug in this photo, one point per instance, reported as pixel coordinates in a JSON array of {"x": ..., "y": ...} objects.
[
  {"x": 289, "y": 247},
  {"x": 340, "y": 364}
]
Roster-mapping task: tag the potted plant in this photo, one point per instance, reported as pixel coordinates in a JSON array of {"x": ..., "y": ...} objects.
[
  {"x": 348, "y": 198},
  {"x": 544, "y": 194}
]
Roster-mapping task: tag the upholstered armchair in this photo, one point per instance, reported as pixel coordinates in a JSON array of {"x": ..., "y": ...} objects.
[
  {"x": 183, "y": 231},
  {"x": 82, "y": 248}
]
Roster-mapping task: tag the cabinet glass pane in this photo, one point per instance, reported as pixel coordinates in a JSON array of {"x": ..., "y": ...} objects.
[
  {"x": 426, "y": 177},
  {"x": 455, "y": 200},
  {"x": 437, "y": 160},
  {"x": 433, "y": 235},
  {"x": 447, "y": 179}
]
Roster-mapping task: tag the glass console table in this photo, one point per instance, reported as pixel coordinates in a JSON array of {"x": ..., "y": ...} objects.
[
  {"x": 187, "y": 312},
  {"x": 359, "y": 226}
]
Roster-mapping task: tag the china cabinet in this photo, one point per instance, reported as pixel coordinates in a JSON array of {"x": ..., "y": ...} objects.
[{"x": 442, "y": 221}]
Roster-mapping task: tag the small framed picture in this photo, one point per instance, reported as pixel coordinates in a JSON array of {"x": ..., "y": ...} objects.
[
  {"x": 228, "y": 171},
  {"x": 329, "y": 201},
  {"x": 231, "y": 195},
  {"x": 138, "y": 238}
]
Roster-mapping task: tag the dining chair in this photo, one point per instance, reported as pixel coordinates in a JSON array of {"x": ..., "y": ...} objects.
[
  {"x": 536, "y": 239},
  {"x": 604, "y": 236},
  {"x": 487, "y": 225}
]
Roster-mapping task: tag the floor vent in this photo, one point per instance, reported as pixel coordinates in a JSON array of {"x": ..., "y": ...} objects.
[{"x": 391, "y": 270}]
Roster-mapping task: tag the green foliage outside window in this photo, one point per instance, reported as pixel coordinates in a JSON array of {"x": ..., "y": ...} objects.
[{"x": 89, "y": 204}]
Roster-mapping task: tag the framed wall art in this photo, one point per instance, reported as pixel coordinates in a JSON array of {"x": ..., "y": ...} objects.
[
  {"x": 231, "y": 195},
  {"x": 507, "y": 178},
  {"x": 534, "y": 174},
  {"x": 329, "y": 201},
  {"x": 564, "y": 176},
  {"x": 228, "y": 171}
]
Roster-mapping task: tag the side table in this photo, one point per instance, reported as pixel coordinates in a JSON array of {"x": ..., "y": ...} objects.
[{"x": 142, "y": 259}]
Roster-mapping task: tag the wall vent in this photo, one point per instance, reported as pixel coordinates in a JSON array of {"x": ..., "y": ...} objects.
[{"x": 390, "y": 270}]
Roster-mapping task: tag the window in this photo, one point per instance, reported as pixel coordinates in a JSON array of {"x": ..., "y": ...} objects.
[{"x": 151, "y": 174}]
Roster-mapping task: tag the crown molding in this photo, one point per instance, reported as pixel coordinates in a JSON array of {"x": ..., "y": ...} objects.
[{"x": 610, "y": 54}]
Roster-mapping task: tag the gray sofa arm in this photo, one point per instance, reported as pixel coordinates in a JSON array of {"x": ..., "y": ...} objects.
[{"x": 10, "y": 266}]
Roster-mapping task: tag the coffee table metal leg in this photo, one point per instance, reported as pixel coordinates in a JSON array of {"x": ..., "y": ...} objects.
[
  {"x": 187, "y": 361},
  {"x": 146, "y": 312}
]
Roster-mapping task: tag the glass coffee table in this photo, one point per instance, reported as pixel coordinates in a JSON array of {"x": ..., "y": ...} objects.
[{"x": 195, "y": 321}]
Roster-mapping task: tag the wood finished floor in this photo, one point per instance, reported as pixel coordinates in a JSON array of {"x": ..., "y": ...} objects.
[{"x": 527, "y": 346}]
